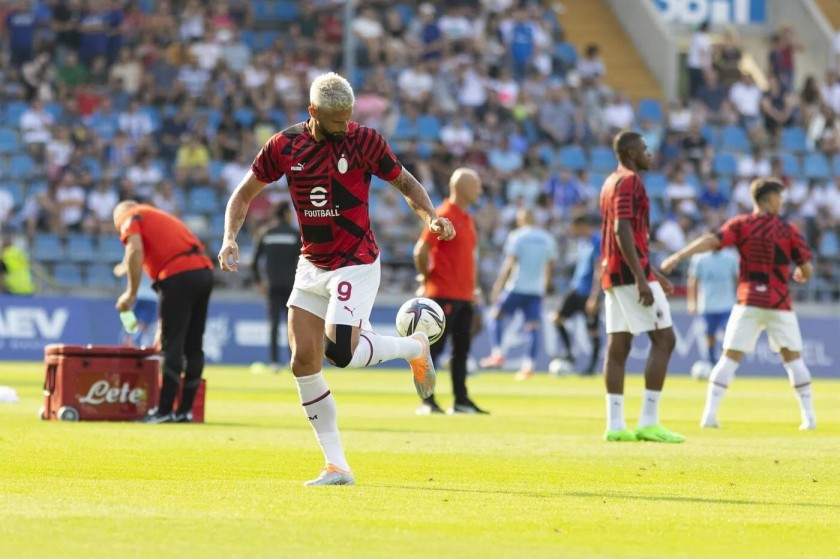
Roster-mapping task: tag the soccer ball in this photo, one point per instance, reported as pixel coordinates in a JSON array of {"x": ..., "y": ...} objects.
[
  {"x": 701, "y": 370},
  {"x": 559, "y": 367},
  {"x": 421, "y": 315}
]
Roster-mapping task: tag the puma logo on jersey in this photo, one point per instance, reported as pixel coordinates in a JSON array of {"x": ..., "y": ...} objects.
[
  {"x": 348, "y": 309},
  {"x": 297, "y": 167}
]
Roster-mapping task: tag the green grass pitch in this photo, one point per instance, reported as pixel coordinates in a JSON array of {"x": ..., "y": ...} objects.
[{"x": 532, "y": 480}]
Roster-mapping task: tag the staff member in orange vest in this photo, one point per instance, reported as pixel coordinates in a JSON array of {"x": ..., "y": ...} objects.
[
  {"x": 448, "y": 274},
  {"x": 174, "y": 259}
]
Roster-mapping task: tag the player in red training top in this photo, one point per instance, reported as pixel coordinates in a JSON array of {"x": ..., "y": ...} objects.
[
  {"x": 768, "y": 246},
  {"x": 328, "y": 161},
  {"x": 635, "y": 295}
]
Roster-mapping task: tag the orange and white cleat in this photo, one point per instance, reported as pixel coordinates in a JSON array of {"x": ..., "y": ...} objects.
[
  {"x": 333, "y": 475},
  {"x": 423, "y": 368}
]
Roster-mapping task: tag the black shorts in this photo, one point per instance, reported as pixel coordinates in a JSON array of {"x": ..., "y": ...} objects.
[{"x": 575, "y": 303}]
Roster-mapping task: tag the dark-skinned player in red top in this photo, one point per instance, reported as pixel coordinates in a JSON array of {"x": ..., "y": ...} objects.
[
  {"x": 328, "y": 161},
  {"x": 769, "y": 246},
  {"x": 635, "y": 294}
]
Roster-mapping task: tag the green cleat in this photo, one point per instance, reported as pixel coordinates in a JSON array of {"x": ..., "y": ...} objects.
[
  {"x": 621, "y": 435},
  {"x": 658, "y": 434}
]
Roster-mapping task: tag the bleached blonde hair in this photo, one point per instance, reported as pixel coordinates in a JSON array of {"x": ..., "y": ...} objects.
[{"x": 331, "y": 92}]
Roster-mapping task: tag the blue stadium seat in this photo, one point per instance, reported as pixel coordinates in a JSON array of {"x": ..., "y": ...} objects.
[
  {"x": 80, "y": 248},
  {"x": 572, "y": 157},
  {"x": 650, "y": 109},
  {"x": 216, "y": 167},
  {"x": 655, "y": 212},
  {"x": 734, "y": 138},
  {"x": 377, "y": 184},
  {"x": 567, "y": 53},
  {"x": 602, "y": 159},
  {"x": 829, "y": 244},
  {"x": 14, "y": 111},
  {"x": 710, "y": 133},
  {"x": 597, "y": 180},
  {"x": 835, "y": 163},
  {"x": 203, "y": 199},
  {"x": 109, "y": 249},
  {"x": 244, "y": 116},
  {"x": 724, "y": 164},
  {"x": 47, "y": 247},
  {"x": 405, "y": 129},
  {"x": 101, "y": 276},
  {"x": 93, "y": 165},
  {"x": 9, "y": 141},
  {"x": 154, "y": 116},
  {"x": 790, "y": 165},
  {"x": 793, "y": 139},
  {"x": 406, "y": 13},
  {"x": 55, "y": 109},
  {"x": 16, "y": 190},
  {"x": 68, "y": 275},
  {"x": 265, "y": 39},
  {"x": 279, "y": 117},
  {"x": 655, "y": 184},
  {"x": 21, "y": 167},
  {"x": 725, "y": 186},
  {"x": 815, "y": 166},
  {"x": 249, "y": 38},
  {"x": 547, "y": 155},
  {"x": 428, "y": 127},
  {"x": 285, "y": 10}
]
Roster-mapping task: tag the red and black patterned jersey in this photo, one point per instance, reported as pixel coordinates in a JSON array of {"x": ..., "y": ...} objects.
[
  {"x": 768, "y": 246},
  {"x": 329, "y": 183},
  {"x": 623, "y": 196}
]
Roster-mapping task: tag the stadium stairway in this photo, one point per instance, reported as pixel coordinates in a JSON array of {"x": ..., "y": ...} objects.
[
  {"x": 831, "y": 11},
  {"x": 592, "y": 21}
]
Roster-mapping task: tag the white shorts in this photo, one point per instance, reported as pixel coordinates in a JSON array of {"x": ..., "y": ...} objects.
[
  {"x": 342, "y": 296},
  {"x": 747, "y": 322},
  {"x": 624, "y": 312}
]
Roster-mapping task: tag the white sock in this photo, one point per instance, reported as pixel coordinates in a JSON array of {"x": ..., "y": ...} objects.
[
  {"x": 319, "y": 406},
  {"x": 719, "y": 380},
  {"x": 650, "y": 408},
  {"x": 527, "y": 364},
  {"x": 615, "y": 412},
  {"x": 800, "y": 379},
  {"x": 374, "y": 348}
]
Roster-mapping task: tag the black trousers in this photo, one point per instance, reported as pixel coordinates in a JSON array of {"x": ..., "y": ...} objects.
[
  {"x": 278, "y": 296},
  {"x": 459, "y": 316},
  {"x": 183, "y": 305}
]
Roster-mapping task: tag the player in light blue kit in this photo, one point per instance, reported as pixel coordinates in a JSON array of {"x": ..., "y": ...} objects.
[
  {"x": 530, "y": 252},
  {"x": 712, "y": 281}
]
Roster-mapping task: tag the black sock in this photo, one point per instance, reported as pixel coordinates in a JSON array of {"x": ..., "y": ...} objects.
[
  {"x": 596, "y": 350},
  {"x": 564, "y": 335}
]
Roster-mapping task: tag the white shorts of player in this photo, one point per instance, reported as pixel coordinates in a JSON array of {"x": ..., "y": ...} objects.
[
  {"x": 747, "y": 322},
  {"x": 342, "y": 296},
  {"x": 624, "y": 312}
]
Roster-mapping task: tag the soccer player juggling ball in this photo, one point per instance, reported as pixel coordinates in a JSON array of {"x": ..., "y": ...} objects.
[
  {"x": 328, "y": 161},
  {"x": 768, "y": 246}
]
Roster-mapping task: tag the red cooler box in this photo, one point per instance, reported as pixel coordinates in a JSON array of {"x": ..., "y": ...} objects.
[{"x": 101, "y": 383}]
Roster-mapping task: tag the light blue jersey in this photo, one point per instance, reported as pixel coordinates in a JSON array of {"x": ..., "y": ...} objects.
[
  {"x": 534, "y": 249},
  {"x": 589, "y": 250},
  {"x": 717, "y": 274}
]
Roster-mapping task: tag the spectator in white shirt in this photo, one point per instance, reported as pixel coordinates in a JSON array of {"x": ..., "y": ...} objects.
[
  {"x": 745, "y": 95},
  {"x": 523, "y": 184},
  {"x": 679, "y": 194},
  {"x": 70, "y": 198},
  {"x": 368, "y": 28},
  {"x": 699, "y": 58},
  {"x": 673, "y": 232},
  {"x": 100, "y": 205},
  {"x": 136, "y": 124},
  {"x": 35, "y": 125},
  {"x": 233, "y": 171},
  {"x": 591, "y": 65},
  {"x": 456, "y": 135},
  {"x": 144, "y": 176},
  {"x": 7, "y": 204},
  {"x": 754, "y": 165},
  {"x": 619, "y": 113},
  {"x": 165, "y": 199},
  {"x": 416, "y": 82}
]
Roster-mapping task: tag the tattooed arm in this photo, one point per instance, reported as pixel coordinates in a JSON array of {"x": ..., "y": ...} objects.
[
  {"x": 418, "y": 200},
  {"x": 237, "y": 209}
]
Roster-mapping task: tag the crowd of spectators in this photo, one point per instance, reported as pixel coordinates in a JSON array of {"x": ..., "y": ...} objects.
[{"x": 168, "y": 101}]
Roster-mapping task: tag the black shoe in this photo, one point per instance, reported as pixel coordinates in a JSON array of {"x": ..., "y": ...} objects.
[
  {"x": 154, "y": 417},
  {"x": 429, "y": 407},
  {"x": 182, "y": 417},
  {"x": 466, "y": 406}
]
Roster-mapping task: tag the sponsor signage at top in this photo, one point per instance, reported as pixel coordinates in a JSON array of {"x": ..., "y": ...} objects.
[{"x": 717, "y": 12}]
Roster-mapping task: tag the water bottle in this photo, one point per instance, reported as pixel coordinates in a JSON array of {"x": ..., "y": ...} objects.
[{"x": 129, "y": 321}]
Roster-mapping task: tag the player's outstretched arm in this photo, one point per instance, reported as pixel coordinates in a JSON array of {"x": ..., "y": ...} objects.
[
  {"x": 707, "y": 242},
  {"x": 237, "y": 209},
  {"x": 418, "y": 200}
]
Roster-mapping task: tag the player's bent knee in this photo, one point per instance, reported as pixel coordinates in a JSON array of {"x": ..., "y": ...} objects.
[{"x": 340, "y": 351}]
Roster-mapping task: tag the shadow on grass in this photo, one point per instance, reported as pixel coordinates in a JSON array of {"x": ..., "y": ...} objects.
[{"x": 702, "y": 500}]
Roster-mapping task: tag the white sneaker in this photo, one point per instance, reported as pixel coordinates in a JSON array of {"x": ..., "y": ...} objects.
[
  {"x": 808, "y": 424},
  {"x": 333, "y": 475},
  {"x": 710, "y": 423}
]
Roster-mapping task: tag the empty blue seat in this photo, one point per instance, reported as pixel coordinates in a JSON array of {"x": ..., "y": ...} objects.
[
  {"x": 597, "y": 180},
  {"x": 572, "y": 157},
  {"x": 47, "y": 247},
  {"x": 655, "y": 212},
  {"x": 602, "y": 159},
  {"x": 9, "y": 141},
  {"x": 21, "y": 167},
  {"x": 405, "y": 129},
  {"x": 93, "y": 165},
  {"x": 14, "y": 111},
  {"x": 829, "y": 244},
  {"x": 724, "y": 164},
  {"x": 790, "y": 164},
  {"x": 725, "y": 186},
  {"x": 109, "y": 249},
  {"x": 244, "y": 116},
  {"x": 249, "y": 38},
  {"x": 55, "y": 109},
  {"x": 547, "y": 155},
  {"x": 655, "y": 184},
  {"x": 734, "y": 138},
  {"x": 651, "y": 109},
  {"x": 216, "y": 167},
  {"x": 285, "y": 10},
  {"x": 101, "y": 276},
  {"x": 710, "y": 133},
  {"x": 80, "y": 248},
  {"x": 428, "y": 127},
  {"x": 567, "y": 53},
  {"x": 815, "y": 166},
  {"x": 793, "y": 139},
  {"x": 68, "y": 275},
  {"x": 203, "y": 199},
  {"x": 16, "y": 190}
]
